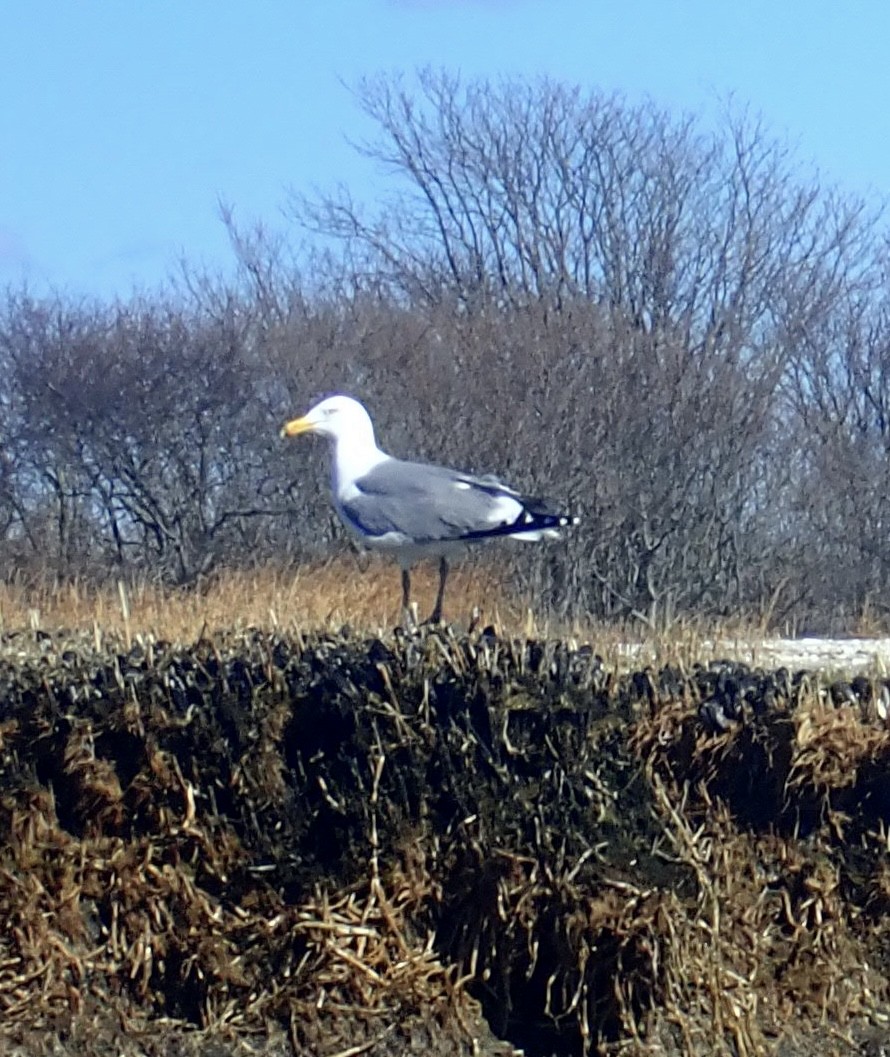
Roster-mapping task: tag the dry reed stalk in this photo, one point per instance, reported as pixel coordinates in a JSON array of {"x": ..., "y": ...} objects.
[
  {"x": 831, "y": 744},
  {"x": 324, "y": 594},
  {"x": 329, "y": 594}
]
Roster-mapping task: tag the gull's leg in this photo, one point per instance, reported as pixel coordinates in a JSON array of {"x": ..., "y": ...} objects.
[
  {"x": 409, "y": 615},
  {"x": 436, "y": 615}
]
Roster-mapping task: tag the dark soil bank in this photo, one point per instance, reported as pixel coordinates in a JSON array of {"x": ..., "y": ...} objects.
[{"x": 434, "y": 845}]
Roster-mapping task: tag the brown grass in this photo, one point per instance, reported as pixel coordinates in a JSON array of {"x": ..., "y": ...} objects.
[
  {"x": 363, "y": 593},
  {"x": 634, "y": 910},
  {"x": 328, "y": 594}
]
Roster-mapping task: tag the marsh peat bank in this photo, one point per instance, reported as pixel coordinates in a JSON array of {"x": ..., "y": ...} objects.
[{"x": 434, "y": 844}]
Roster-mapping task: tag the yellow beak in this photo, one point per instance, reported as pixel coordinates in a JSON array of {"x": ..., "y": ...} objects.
[{"x": 296, "y": 426}]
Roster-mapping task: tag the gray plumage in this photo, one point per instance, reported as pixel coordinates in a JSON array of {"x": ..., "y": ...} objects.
[{"x": 432, "y": 504}]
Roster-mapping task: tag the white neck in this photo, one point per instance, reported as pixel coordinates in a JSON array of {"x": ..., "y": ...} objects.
[{"x": 353, "y": 457}]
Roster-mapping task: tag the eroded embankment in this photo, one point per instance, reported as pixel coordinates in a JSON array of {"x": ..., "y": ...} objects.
[{"x": 351, "y": 843}]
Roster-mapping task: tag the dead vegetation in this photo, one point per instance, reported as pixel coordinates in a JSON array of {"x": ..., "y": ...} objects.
[
  {"x": 360, "y": 590},
  {"x": 424, "y": 843}
]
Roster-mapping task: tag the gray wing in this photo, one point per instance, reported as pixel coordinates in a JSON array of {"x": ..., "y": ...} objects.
[{"x": 427, "y": 503}]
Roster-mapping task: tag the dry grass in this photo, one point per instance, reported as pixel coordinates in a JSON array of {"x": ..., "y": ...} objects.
[
  {"x": 645, "y": 879},
  {"x": 364, "y": 593},
  {"x": 344, "y": 590},
  {"x": 83, "y": 911},
  {"x": 769, "y": 949}
]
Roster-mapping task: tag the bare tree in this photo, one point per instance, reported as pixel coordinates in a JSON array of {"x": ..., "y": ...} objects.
[
  {"x": 838, "y": 390},
  {"x": 138, "y": 425},
  {"x": 642, "y": 281}
]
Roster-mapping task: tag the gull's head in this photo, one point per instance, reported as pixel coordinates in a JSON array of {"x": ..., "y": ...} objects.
[{"x": 337, "y": 417}]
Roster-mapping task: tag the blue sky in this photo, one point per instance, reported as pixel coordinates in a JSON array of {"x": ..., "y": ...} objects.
[{"x": 123, "y": 123}]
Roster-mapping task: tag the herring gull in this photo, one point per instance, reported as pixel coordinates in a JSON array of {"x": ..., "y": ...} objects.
[{"x": 415, "y": 510}]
